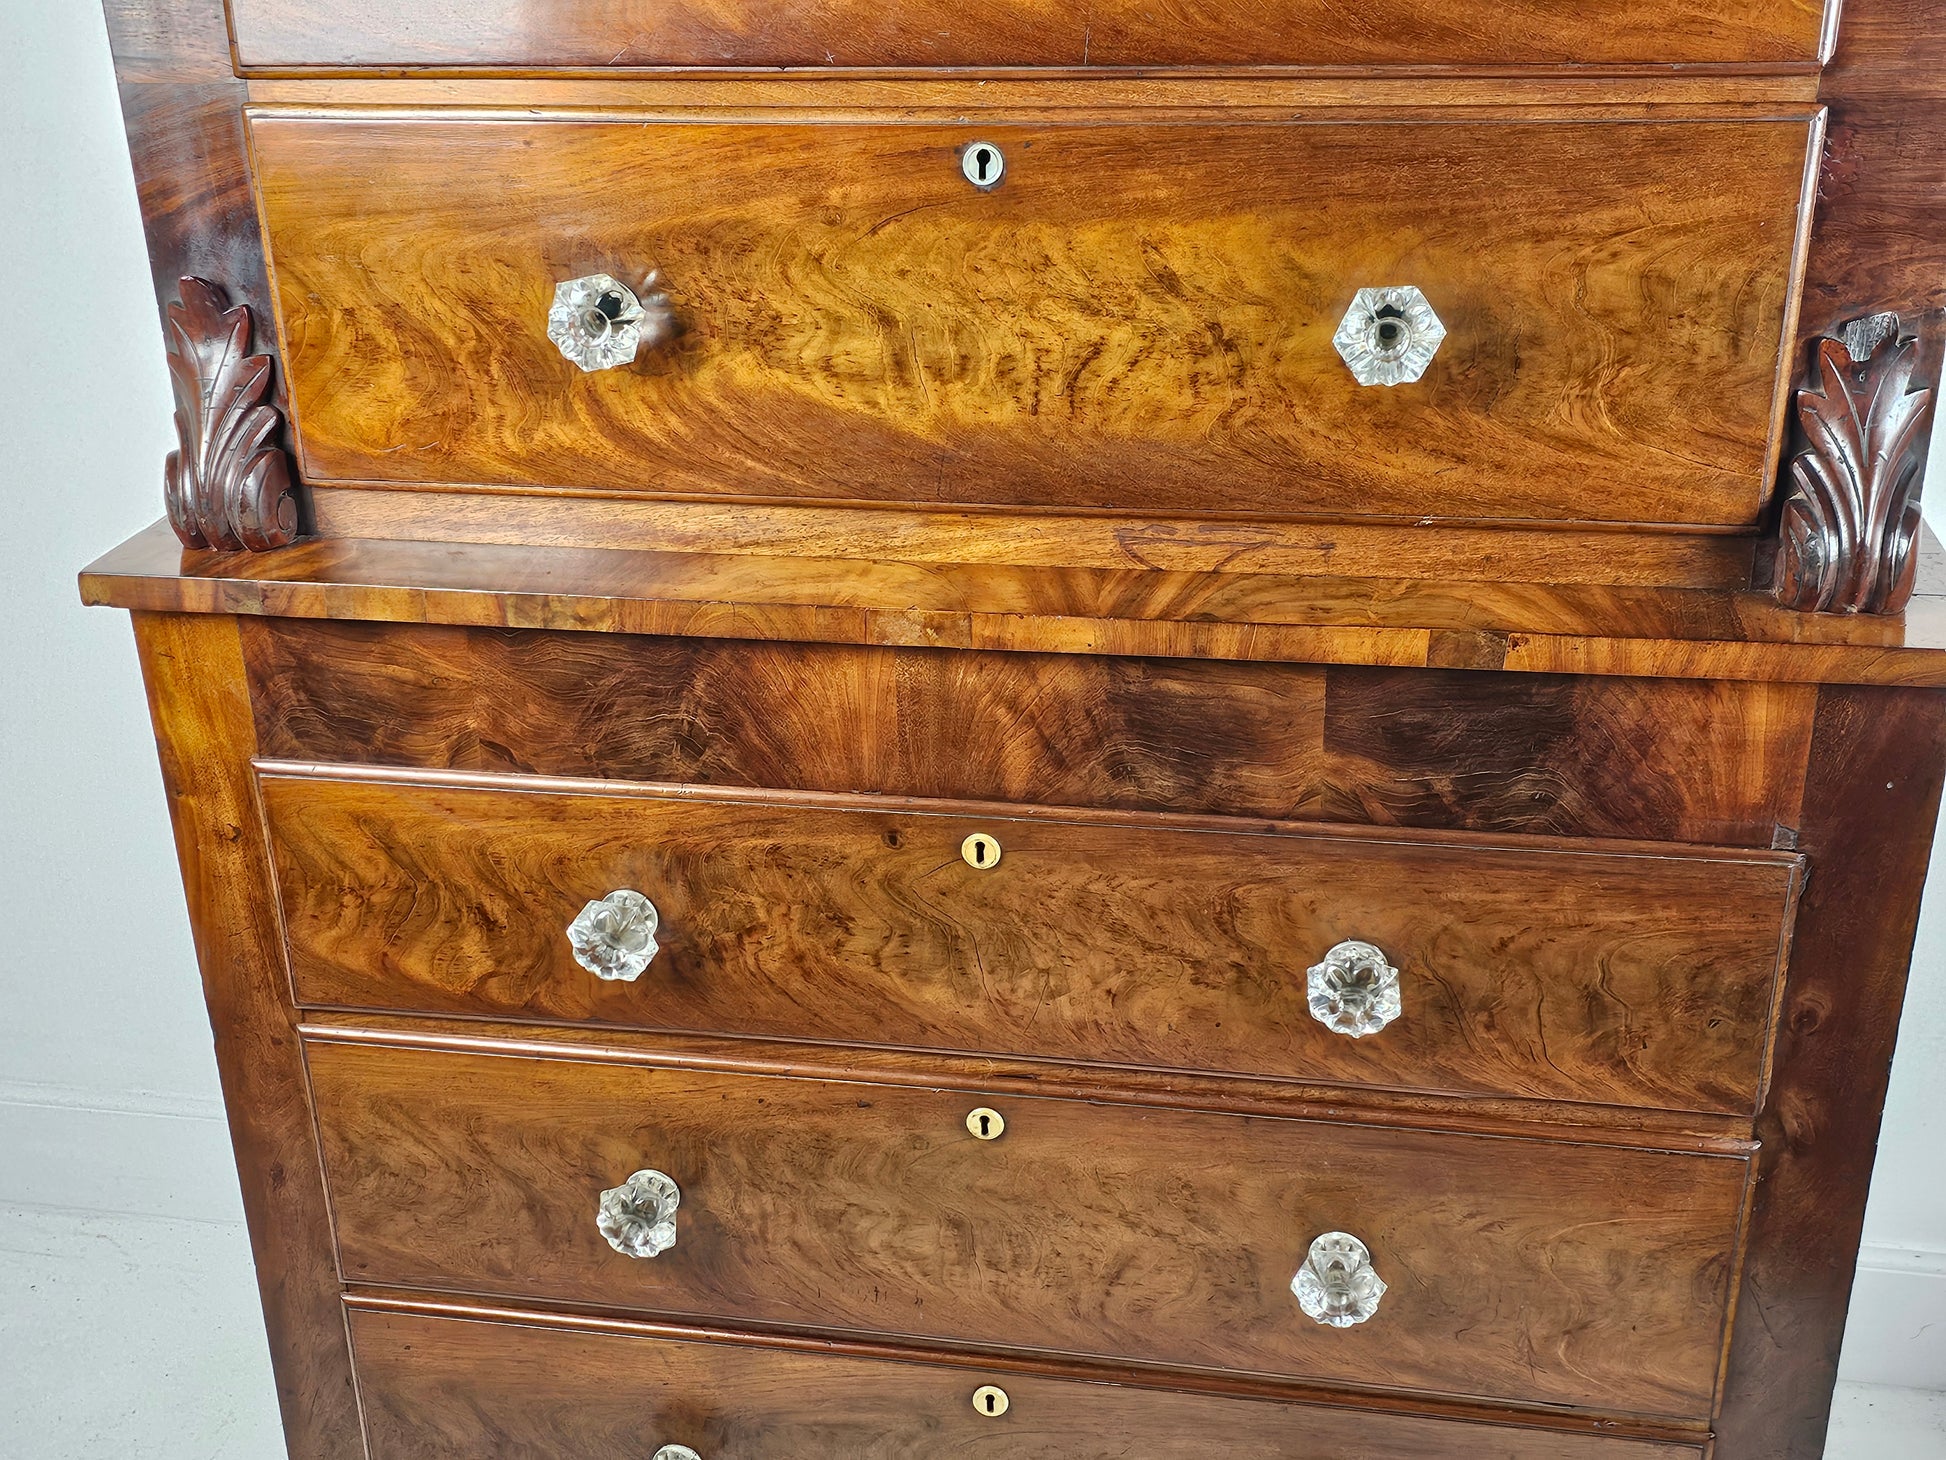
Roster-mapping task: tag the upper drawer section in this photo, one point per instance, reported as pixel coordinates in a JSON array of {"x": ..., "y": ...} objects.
[
  {"x": 1139, "y": 316},
  {"x": 520, "y": 34}
]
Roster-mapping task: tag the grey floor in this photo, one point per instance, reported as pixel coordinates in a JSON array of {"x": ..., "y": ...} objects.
[{"x": 139, "y": 1337}]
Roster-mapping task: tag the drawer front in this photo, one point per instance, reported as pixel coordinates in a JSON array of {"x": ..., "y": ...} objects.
[
  {"x": 926, "y": 33},
  {"x": 1139, "y": 317},
  {"x": 1628, "y": 978},
  {"x": 434, "y": 1388},
  {"x": 1520, "y": 1270}
]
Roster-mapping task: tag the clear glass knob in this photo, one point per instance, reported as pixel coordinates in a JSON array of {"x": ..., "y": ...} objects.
[
  {"x": 614, "y": 937},
  {"x": 1337, "y": 1284},
  {"x": 1354, "y": 990},
  {"x": 1389, "y": 335},
  {"x": 676, "y": 1452},
  {"x": 639, "y": 1217},
  {"x": 599, "y": 322}
]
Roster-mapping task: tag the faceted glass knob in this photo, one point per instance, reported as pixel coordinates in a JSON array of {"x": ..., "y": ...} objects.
[
  {"x": 1337, "y": 1284},
  {"x": 639, "y": 1217},
  {"x": 599, "y": 322},
  {"x": 1354, "y": 990},
  {"x": 1389, "y": 335},
  {"x": 676, "y": 1452},
  {"x": 614, "y": 937}
]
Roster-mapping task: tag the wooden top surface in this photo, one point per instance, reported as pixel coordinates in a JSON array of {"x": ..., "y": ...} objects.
[{"x": 1715, "y": 633}]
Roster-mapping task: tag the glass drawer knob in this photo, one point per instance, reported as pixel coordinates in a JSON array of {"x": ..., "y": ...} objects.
[
  {"x": 598, "y": 322},
  {"x": 614, "y": 936},
  {"x": 1337, "y": 1284},
  {"x": 676, "y": 1452},
  {"x": 639, "y": 1217},
  {"x": 1354, "y": 990},
  {"x": 1389, "y": 335}
]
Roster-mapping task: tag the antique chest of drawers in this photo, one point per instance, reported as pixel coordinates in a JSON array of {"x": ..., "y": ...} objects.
[{"x": 1162, "y": 728}]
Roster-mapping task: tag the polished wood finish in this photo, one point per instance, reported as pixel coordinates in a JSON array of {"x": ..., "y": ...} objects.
[
  {"x": 199, "y": 699},
  {"x": 1850, "y": 536},
  {"x": 228, "y": 484},
  {"x": 1572, "y": 971},
  {"x": 1138, "y": 317},
  {"x": 1546, "y": 1272},
  {"x": 1050, "y": 510},
  {"x": 1678, "y": 761},
  {"x": 1878, "y": 757},
  {"x": 438, "y": 1387},
  {"x": 276, "y": 35},
  {"x": 1529, "y": 628}
]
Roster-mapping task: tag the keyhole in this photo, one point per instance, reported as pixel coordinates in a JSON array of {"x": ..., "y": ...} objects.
[
  {"x": 985, "y": 1124},
  {"x": 983, "y": 164},
  {"x": 990, "y": 1400},
  {"x": 980, "y": 852}
]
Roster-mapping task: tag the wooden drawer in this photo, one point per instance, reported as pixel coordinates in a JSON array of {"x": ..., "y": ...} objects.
[
  {"x": 435, "y": 1387},
  {"x": 274, "y": 34},
  {"x": 1581, "y": 971},
  {"x": 1139, "y": 317},
  {"x": 1524, "y": 1270}
]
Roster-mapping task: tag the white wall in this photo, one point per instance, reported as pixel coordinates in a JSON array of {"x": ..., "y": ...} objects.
[{"x": 108, "y": 1095}]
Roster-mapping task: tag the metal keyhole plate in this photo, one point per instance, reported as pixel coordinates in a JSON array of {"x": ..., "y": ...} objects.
[
  {"x": 984, "y": 165},
  {"x": 985, "y": 1124},
  {"x": 980, "y": 851},
  {"x": 990, "y": 1400}
]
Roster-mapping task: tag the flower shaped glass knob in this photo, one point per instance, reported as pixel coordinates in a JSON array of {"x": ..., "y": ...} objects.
[
  {"x": 1389, "y": 335},
  {"x": 1337, "y": 1284},
  {"x": 599, "y": 322},
  {"x": 1354, "y": 990},
  {"x": 614, "y": 937},
  {"x": 676, "y": 1452},
  {"x": 639, "y": 1217}
]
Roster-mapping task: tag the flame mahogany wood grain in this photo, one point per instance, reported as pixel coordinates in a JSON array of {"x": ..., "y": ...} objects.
[
  {"x": 1877, "y": 760},
  {"x": 1553, "y": 971},
  {"x": 199, "y": 698},
  {"x": 1529, "y": 627},
  {"x": 1711, "y": 762},
  {"x": 439, "y": 1388},
  {"x": 1543, "y": 1273},
  {"x": 1138, "y": 317},
  {"x": 276, "y": 35}
]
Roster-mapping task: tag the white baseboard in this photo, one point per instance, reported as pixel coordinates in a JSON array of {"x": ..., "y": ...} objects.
[
  {"x": 142, "y": 1155},
  {"x": 156, "y": 1156},
  {"x": 1897, "y": 1332}
]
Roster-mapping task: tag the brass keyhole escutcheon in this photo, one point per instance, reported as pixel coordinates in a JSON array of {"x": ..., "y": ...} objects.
[
  {"x": 980, "y": 851},
  {"x": 985, "y": 1124},
  {"x": 990, "y": 1400}
]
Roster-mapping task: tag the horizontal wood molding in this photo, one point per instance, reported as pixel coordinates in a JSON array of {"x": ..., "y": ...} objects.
[{"x": 1575, "y": 629}]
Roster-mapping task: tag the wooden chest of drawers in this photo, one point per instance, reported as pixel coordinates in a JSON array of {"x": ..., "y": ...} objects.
[{"x": 1161, "y": 728}]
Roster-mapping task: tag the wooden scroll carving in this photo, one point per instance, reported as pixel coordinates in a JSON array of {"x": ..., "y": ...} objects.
[
  {"x": 1848, "y": 539},
  {"x": 230, "y": 484}
]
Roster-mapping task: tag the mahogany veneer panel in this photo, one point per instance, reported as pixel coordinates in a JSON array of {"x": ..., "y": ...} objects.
[
  {"x": 452, "y": 1389},
  {"x": 1567, "y": 972},
  {"x": 274, "y": 34},
  {"x": 1535, "y": 1271},
  {"x": 1710, "y": 761},
  {"x": 1139, "y": 317}
]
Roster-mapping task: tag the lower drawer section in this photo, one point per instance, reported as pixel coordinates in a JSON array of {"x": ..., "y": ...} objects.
[
  {"x": 438, "y": 1387},
  {"x": 1534, "y": 1271}
]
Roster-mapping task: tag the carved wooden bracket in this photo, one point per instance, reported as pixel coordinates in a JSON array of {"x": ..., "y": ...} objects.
[
  {"x": 1847, "y": 541},
  {"x": 230, "y": 484}
]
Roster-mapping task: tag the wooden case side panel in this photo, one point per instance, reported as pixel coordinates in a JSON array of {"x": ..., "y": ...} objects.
[
  {"x": 1877, "y": 762},
  {"x": 199, "y": 698},
  {"x": 1706, "y": 761},
  {"x": 441, "y": 1387}
]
